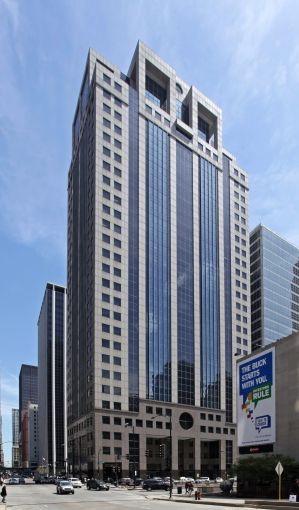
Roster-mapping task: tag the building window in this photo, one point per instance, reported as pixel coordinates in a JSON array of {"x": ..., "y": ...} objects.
[
  {"x": 155, "y": 93},
  {"x": 107, "y": 78},
  {"x": 106, "y": 389}
]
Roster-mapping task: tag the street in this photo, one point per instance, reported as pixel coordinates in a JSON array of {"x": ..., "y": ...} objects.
[{"x": 39, "y": 497}]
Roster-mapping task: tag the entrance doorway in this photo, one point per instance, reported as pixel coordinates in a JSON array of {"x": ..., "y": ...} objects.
[
  {"x": 210, "y": 459},
  {"x": 186, "y": 457},
  {"x": 112, "y": 471}
]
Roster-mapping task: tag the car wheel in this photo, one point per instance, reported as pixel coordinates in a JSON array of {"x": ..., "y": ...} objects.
[
  {"x": 148, "y": 488},
  {"x": 107, "y": 489},
  {"x": 73, "y": 492},
  {"x": 88, "y": 488}
]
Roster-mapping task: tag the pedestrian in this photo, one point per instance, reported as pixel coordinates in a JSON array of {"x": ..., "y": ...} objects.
[
  {"x": 186, "y": 487},
  {"x": 3, "y": 491}
]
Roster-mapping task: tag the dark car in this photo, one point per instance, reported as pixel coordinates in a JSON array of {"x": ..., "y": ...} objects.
[
  {"x": 97, "y": 485},
  {"x": 22, "y": 481},
  {"x": 154, "y": 484}
]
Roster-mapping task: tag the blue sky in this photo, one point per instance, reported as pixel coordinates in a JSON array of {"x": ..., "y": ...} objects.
[{"x": 243, "y": 55}]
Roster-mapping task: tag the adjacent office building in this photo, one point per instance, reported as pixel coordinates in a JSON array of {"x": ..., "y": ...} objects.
[
  {"x": 158, "y": 275},
  {"x": 33, "y": 436},
  {"x": 27, "y": 393},
  {"x": 274, "y": 267},
  {"x": 51, "y": 381},
  {"x": 15, "y": 438}
]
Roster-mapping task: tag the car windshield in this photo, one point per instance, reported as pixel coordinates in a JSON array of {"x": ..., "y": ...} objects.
[{"x": 64, "y": 483}]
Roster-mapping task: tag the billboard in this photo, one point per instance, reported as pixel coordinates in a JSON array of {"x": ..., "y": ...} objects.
[{"x": 256, "y": 399}]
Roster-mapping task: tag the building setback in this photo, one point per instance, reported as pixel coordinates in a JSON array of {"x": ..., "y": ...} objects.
[
  {"x": 274, "y": 267},
  {"x": 158, "y": 275},
  {"x": 27, "y": 393},
  {"x": 51, "y": 381},
  {"x": 15, "y": 438}
]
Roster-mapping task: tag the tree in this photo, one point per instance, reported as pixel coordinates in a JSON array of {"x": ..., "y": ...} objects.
[{"x": 257, "y": 476}]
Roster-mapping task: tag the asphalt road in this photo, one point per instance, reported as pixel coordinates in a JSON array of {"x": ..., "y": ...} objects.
[{"x": 41, "y": 497}]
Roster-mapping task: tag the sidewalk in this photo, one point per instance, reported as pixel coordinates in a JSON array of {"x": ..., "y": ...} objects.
[{"x": 231, "y": 502}]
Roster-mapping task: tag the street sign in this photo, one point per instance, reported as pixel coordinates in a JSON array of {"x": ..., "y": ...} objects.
[{"x": 279, "y": 469}]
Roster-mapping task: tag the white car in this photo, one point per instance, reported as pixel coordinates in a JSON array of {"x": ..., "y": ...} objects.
[
  {"x": 203, "y": 479},
  {"x": 76, "y": 482},
  {"x": 219, "y": 479},
  {"x": 65, "y": 487},
  {"x": 12, "y": 481}
]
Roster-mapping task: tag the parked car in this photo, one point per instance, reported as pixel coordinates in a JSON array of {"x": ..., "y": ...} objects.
[
  {"x": 12, "y": 481},
  {"x": 22, "y": 481},
  {"x": 65, "y": 487},
  {"x": 126, "y": 481},
  {"x": 97, "y": 485},
  {"x": 203, "y": 479},
  {"x": 219, "y": 479},
  {"x": 153, "y": 484},
  {"x": 138, "y": 481},
  {"x": 76, "y": 482}
]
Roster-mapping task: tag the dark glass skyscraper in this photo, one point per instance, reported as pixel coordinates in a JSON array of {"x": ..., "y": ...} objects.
[
  {"x": 52, "y": 379},
  {"x": 158, "y": 273},
  {"x": 274, "y": 264},
  {"x": 28, "y": 394}
]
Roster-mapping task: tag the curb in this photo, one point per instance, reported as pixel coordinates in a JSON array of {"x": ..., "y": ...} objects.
[{"x": 203, "y": 502}]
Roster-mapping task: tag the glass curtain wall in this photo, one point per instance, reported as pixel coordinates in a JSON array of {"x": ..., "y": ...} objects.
[
  {"x": 133, "y": 325},
  {"x": 210, "y": 340},
  {"x": 185, "y": 275},
  {"x": 227, "y": 291},
  {"x": 158, "y": 265}
]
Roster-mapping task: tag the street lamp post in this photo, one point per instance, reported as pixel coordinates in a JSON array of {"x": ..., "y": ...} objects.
[
  {"x": 170, "y": 450},
  {"x": 134, "y": 465}
]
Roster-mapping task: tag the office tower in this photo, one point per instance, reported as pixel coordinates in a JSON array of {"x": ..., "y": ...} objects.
[
  {"x": 158, "y": 281},
  {"x": 27, "y": 393},
  {"x": 51, "y": 380},
  {"x": 15, "y": 438},
  {"x": 33, "y": 435},
  {"x": 274, "y": 268}
]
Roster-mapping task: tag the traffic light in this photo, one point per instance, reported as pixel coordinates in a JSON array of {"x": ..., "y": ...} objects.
[
  {"x": 162, "y": 451},
  {"x": 147, "y": 453}
]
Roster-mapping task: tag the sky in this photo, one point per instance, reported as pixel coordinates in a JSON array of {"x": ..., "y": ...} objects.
[{"x": 244, "y": 55}]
